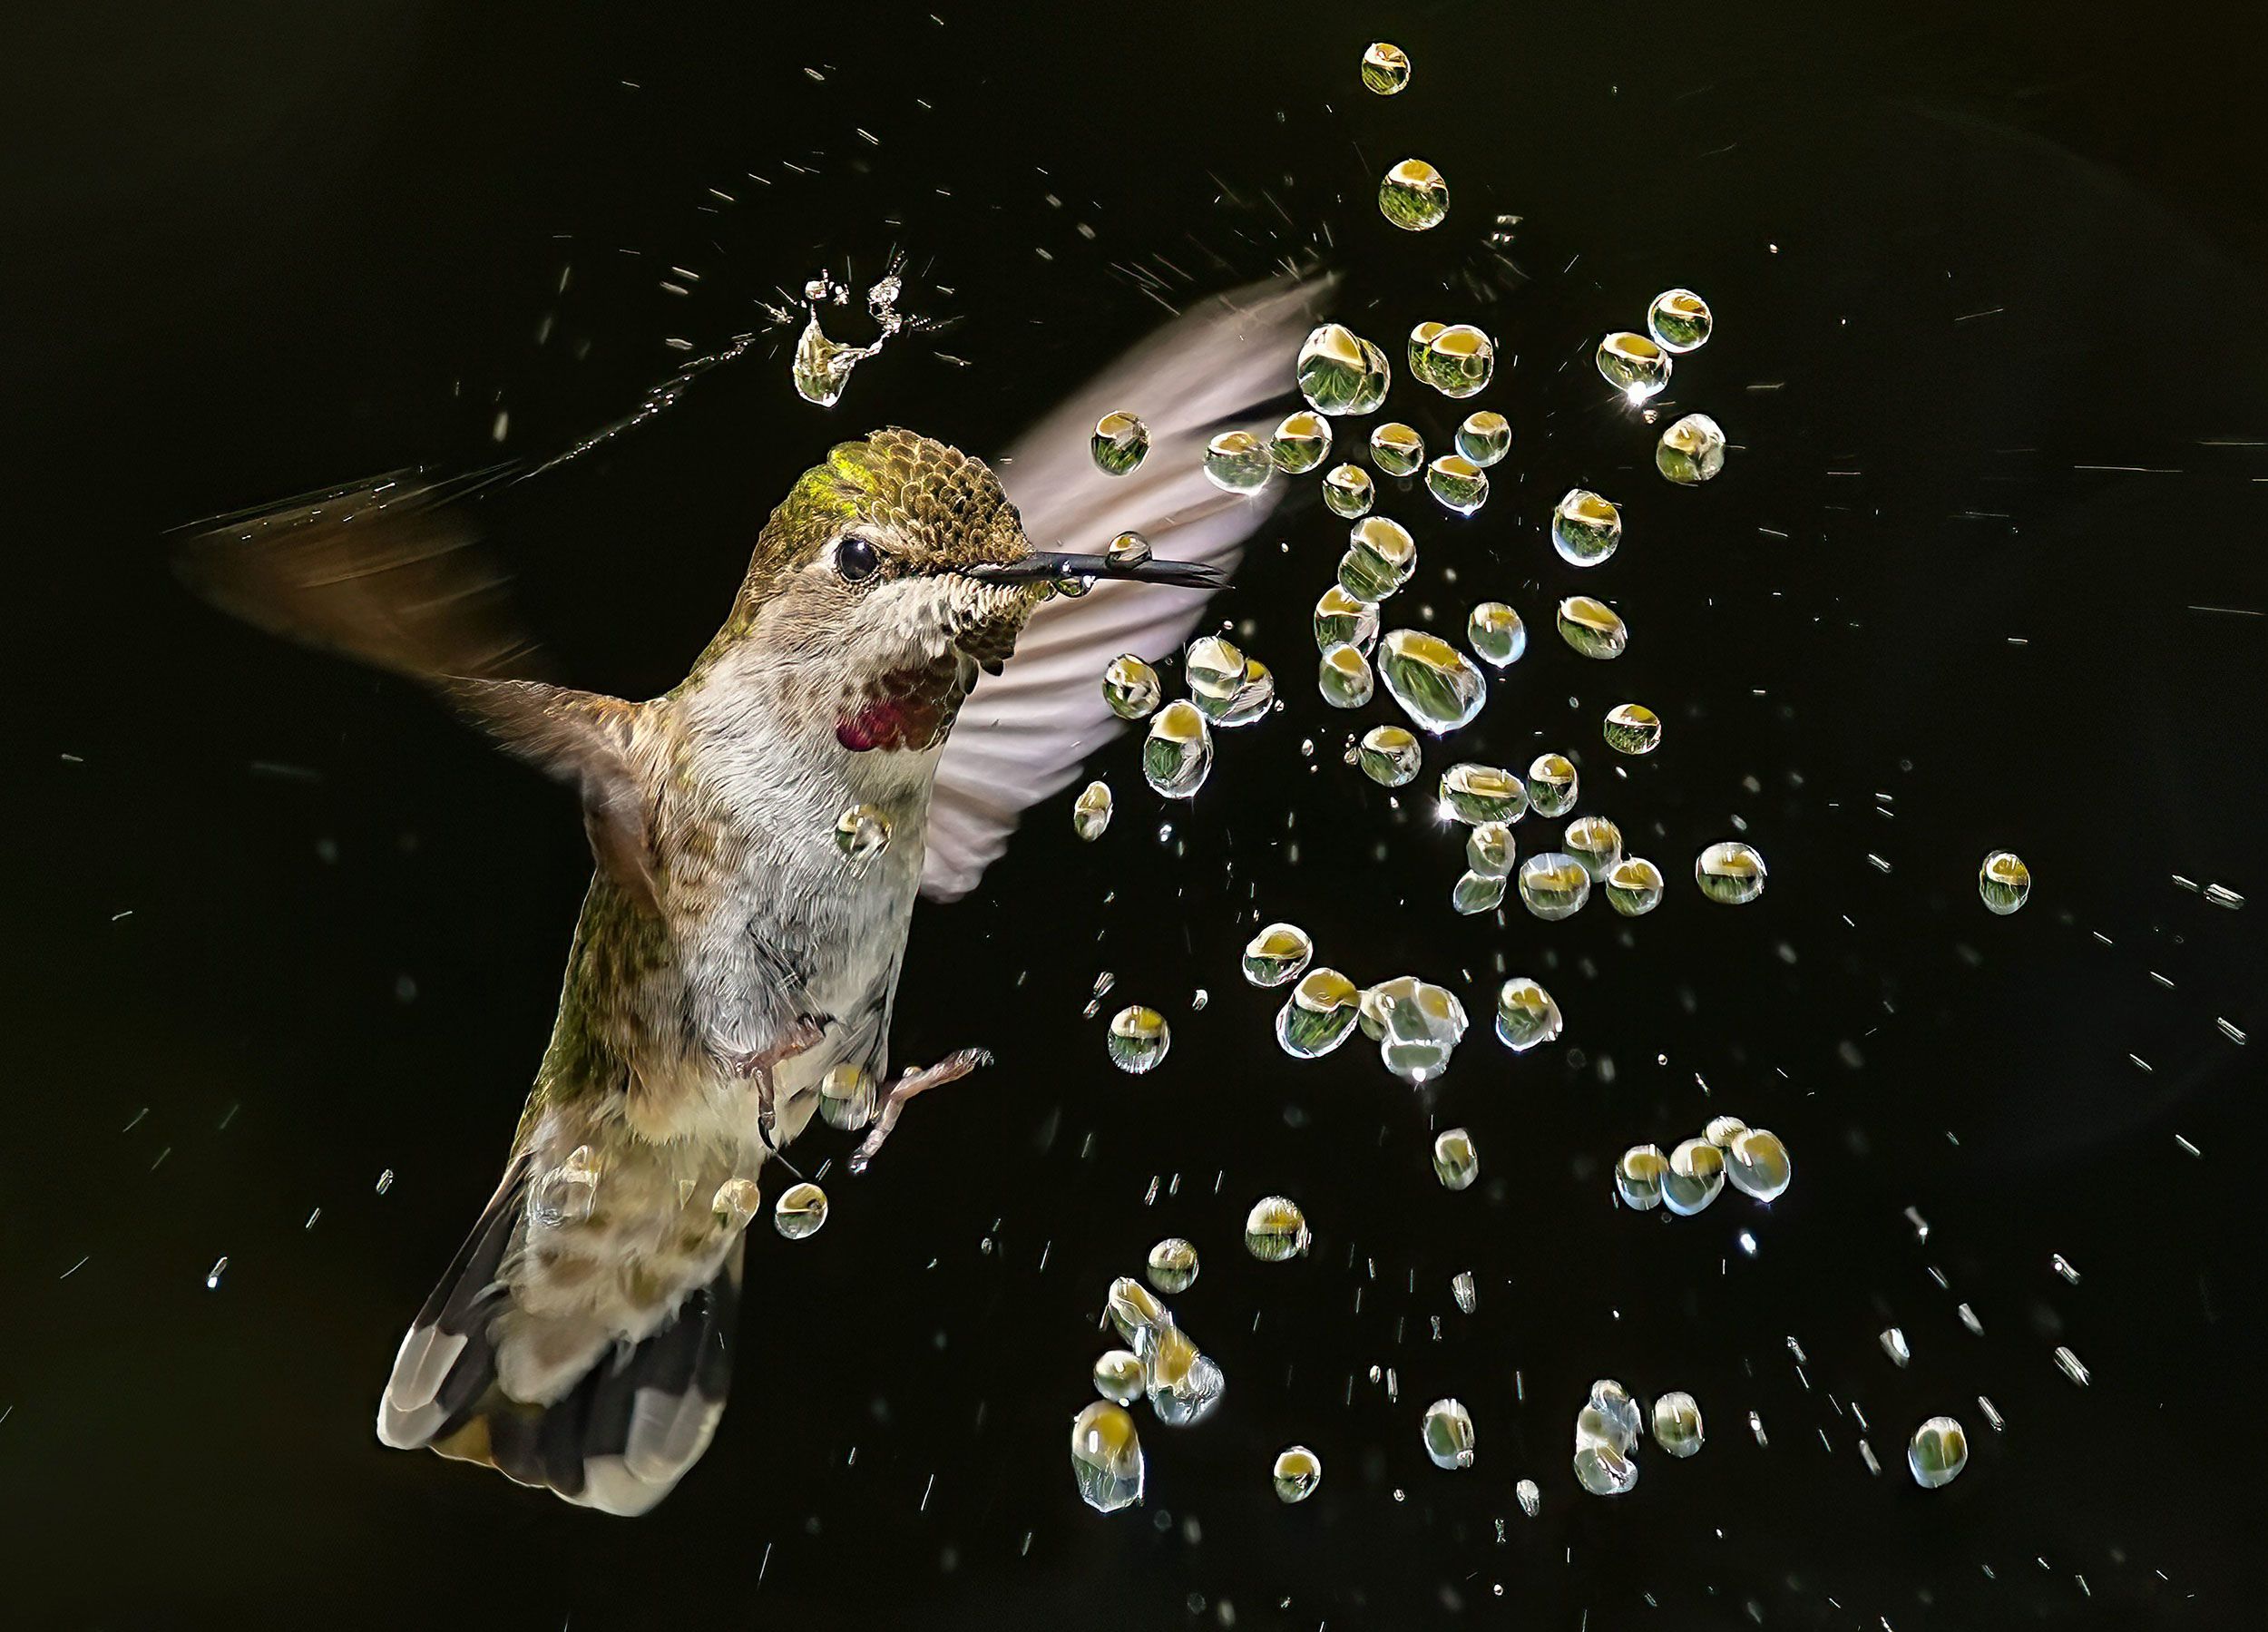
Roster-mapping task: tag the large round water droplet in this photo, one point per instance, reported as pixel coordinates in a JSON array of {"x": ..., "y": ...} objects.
[
  {"x": 1457, "y": 483},
  {"x": 800, "y": 1211},
  {"x": 1459, "y": 361},
  {"x": 1437, "y": 686},
  {"x": 1634, "y": 886},
  {"x": 1178, "y": 756},
  {"x": 2004, "y": 881},
  {"x": 1553, "y": 885},
  {"x": 1298, "y": 1470},
  {"x": 1596, "y": 842},
  {"x": 1678, "y": 320},
  {"x": 1139, "y": 1038},
  {"x": 1131, "y": 688},
  {"x": 1496, "y": 634},
  {"x": 1380, "y": 557},
  {"x": 1396, "y": 449},
  {"x": 1693, "y": 1178},
  {"x": 1592, "y": 629},
  {"x": 1939, "y": 1452},
  {"x": 1389, "y": 755},
  {"x": 1413, "y": 196},
  {"x": 1483, "y": 792},
  {"x": 1639, "y": 1177},
  {"x": 1342, "y": 373},
  {"x": 1347, "y": 490},
  {"x": 1757, "y": 1164},
  {"x": 1489, "y": 849},
  {"x": 1634, "y": 365},
  {"x": 1485, "y": 437},
  {"x": 1237, "y": 462},
  {"x": 1172, "y": 1265},
  {"x": 1633, "y": 728},
  {"x": 1677, "y": 1423},
  {"x": 1552, "y": 785},
  {"x": 1122, "y": 442},
  {"x": 1344, "y": 678},
  {"x": 1585, "y": 528},
  {"x": 1692, "y": 451},
  {"x": 1275, "y": 1229},
  {"x": 1118, "y": 1376},
  {"x": 1280, "y": 952},
  {"x": 1730, "y": 871},
  {"x": 1449, "y": 1437},
  {"x": 1106, "y": 1458},
  {"x": 1456, "y": 1160},
  {"x": 1214, "y": 671},
  {"x": 1526, "y": 1017},
  {"x": 1301, "y": 442},
  {"x": 1418, "y": 348},
  {"x": 1319, "y": 1014},
  {"x": 1090, "y": 812},
  {"x": 1343, "y": 620},
  {"x": 1385, "y": 69}
]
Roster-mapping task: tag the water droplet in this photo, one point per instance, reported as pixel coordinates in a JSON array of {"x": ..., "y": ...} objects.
[
  {"x": 1090, "y": 812},
  {"x": 2069, "y": 1363},
  {"x": 1389, "y": 755},
  {"x": 212, "y": 1276},
  {"x": 1134, "y": 1312},
  {"x": 2004, "y": 881},
  {"x": 1449, "y": 1438},
  {"x": 1437, "y": 686},
  {"x": 1678, "y": 320},
  {"x": 1939, "y": 1451},
  {"x": 567, "y": 1193},
  {"x": 1300, "y": 443},
  {"x": 1344, "y": 678},
  {"x": 1893, "y": 1343},
  {"x": 1380, "y": 557},
  {"x": 1757, "y": 1164},
  {"x": 1596, "y": 842},
  {"x": 1396, "y": 449},
  {"x": 1275, "y": 1229},
  {"x": 1347, "y": 490},
  {"x": 1466, "y": 1290},
  {"x": 1385, "y": 70},
  {"x": 1633, "y": 728},
  {"x": 1118, "y": 1376},
  {"x": 1417, "y": 1026},
  {"x": 1496, "y": 634},
  {"x": 1343, "y": 619},
  {"x": 1237, "y": 462},
  {"x": 1459, "y": 361},
  {"x": 1457, "y": 482},
  {"x": 1122, "y": 442},
  {"x": 1317, "y": 1016},
  {"x": 1721, "y": 1132},
  {"x": 1279, "y": 953},
  {"x": 1473, "y": 794},
  {"x": 846, "y": 1098},
  {"x": 1485, "y": 437},
  {"x": 1677, "y": 1423},
  {"x": 1254, "y": 696},
  {"x": 1298, "y": 1470},
  {"x": 1172, "y": 1265},
  {"x": 1730, "y": 871},
  {"x": 1635, "y": 887},
  {"x": 1591, "y": 628},
  {"x": 861, "y": 834},
  {"x": 1215, "y": 673},
  {"x": 1342, "y": 373},
  {"x": 1476, "y": 893},
  {"x": 1609, "y": 1417},
  {"x": 1489, "y": 849},
  {"x": 1552, "y": 785},
  {"x": 1585, "y": 528},
  {"x": 1420, "y": 346},
  {"x": 822, "y": 367},
  {"x": 1107, "y": 1458},
  {"x": 1692, "y": 451},
  {"x": 736, "y": 1202},
  {"x": 799, "y": 1212},
  {"x": 1456, "y": 1160},
  {"x": 1634, "y": 365},
  {"x": 1529, "y": 1496},
  {"x": 1178, "y": 755},
  {"x": 1413, "y": 196},
  {"x": 1694, "y": 1175},
  {"x": 1131, "y": 688},
  {"x": 1526, "y": 1017},
  {"x": 1139, "y": 1038},
  {"x": 1605, "y": 1471},
  {"x": 1553, "y": 885},
  {"x": 1639, "y": 1177},
  {"x": 1127, "y": 552}
]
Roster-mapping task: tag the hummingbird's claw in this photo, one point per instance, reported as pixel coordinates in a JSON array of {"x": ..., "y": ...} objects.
[{"x": 951, "y": 1068}]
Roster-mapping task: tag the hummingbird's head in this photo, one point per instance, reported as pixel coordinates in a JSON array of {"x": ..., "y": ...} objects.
[{"x": 866, "y": 593}]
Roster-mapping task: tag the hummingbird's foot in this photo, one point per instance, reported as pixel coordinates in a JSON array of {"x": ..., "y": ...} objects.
[
  {"x": 951, "y": 1068},
  {"x": 806, "y": 1032}
]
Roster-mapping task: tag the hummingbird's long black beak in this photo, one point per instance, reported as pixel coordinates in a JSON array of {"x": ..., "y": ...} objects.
[{"x": 1050, "y": 564}]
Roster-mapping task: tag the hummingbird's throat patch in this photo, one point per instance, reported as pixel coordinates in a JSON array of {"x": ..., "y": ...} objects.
[{"x": 904, "y": 709}]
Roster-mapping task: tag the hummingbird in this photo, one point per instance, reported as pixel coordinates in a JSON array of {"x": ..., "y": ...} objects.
[{"x": 735, "y": 964}]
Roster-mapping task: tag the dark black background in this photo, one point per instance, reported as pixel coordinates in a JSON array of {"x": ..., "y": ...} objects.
[{"x": 256, "y": 247}]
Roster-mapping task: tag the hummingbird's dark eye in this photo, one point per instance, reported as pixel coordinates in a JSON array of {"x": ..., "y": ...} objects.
[{"x": 856, "y": 558}]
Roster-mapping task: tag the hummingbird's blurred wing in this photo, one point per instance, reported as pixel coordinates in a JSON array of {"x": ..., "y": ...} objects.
[
  {"x": 390, "y": 573},
  {"x": 1023, "y": 732}
]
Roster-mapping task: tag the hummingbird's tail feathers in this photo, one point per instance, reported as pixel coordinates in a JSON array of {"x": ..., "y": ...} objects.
[
  {"x": 603, "y": 1419},
  {"x": 1023, "y": 732},
  {"x": 387, "y": 571}
]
